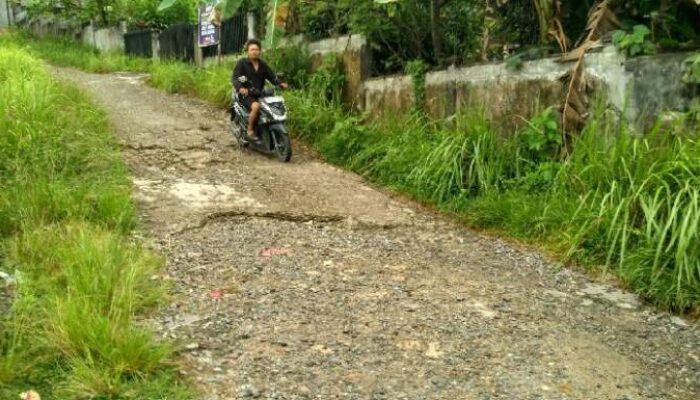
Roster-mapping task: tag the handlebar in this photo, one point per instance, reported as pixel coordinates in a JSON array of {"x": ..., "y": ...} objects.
[{"x": 267, "y": 92}]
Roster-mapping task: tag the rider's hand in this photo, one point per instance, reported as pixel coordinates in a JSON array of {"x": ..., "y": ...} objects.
[
  {"x": 284, "y": 86},
  {"x": 243, "y": 92}
]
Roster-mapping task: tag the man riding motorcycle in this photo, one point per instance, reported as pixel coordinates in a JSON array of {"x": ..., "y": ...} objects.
[{"x": 257, "y": 71}]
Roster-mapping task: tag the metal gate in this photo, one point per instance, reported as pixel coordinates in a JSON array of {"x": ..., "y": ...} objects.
[
  {"x": 177, "y": 42},
  {"x": 234, "y": 34},
  {"x": 139, "y": 43}
]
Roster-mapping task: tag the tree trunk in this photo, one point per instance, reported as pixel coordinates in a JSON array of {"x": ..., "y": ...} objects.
[
  {"x": 435, "y": 30},
  {"x": 293, "y": 24},
  {"x": 102, "y": 9},
  {"x": 486, "y": 33}
]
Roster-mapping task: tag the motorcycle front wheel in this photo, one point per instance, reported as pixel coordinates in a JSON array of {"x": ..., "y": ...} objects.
[{"x": 283, "y": 145}]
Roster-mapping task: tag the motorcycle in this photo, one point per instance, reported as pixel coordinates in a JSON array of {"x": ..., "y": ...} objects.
[{"x": 271, "y": 127}]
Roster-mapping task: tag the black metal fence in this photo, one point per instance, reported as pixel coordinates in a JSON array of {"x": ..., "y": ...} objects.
[
  {"x": 177, "y": 42},
  {"x": 234, "y": 33},
  {"x": 139, "y": 43}
]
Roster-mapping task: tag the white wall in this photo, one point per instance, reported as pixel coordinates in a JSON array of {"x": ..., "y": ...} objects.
[
  {"x": 107, "y": 39},
  {"x": 4, "y": 14}
]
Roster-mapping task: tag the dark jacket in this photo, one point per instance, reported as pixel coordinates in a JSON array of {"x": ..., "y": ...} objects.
[{"x": 257, "y": 78}]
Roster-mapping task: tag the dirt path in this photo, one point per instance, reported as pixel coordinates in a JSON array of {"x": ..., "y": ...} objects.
[{"x": 300, "y": 281}]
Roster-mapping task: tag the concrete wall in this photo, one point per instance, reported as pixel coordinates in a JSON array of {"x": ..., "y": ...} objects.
[
  {"x": 506, "y": 96},
  {"x": 357, "y": 61},
  {"x": 106, "y": 39},
  {"x": 4, "y": 14},
  {"x": 388, "y": 95},
  {"x": 641, "y": 88},
  {"x": 46, "y": 27},
  {"x": 18, "y": 12}
]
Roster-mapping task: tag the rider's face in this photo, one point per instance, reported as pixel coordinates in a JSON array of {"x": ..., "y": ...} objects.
[{"x": 253, "y": 52}]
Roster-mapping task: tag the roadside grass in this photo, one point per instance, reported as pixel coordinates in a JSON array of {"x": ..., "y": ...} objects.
[
  {"x": 211, "y": 84},
  {"x": 67, "y": 53},
  {"x": 81, "y": 280},
  {"x": 620, "y": 204}
]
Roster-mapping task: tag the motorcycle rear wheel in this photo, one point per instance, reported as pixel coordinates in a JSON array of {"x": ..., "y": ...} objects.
[{"x": 237, "y": 133}]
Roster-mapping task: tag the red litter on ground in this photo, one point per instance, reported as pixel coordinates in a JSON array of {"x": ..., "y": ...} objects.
[
  {"x": 276, "y": 251},
  {"x": 216, "y": 294}
]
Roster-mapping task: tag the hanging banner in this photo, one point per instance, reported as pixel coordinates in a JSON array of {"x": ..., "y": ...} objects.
[{"x": 208, "y": 31}]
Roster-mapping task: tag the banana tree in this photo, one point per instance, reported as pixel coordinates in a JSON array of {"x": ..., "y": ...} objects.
[
  {"x": 278, "y": 11},
  {"x": 548, "y": 14}
]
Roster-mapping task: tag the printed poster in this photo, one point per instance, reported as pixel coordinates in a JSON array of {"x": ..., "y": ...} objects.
[{"x": 208, "y": 32}]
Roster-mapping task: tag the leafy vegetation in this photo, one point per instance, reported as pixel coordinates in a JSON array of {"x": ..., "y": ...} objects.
[
  {"x": 416, "y": 70},
  {"x": 66, "y": 221},
  {"x": 67, "y": 53},
  {"x": 292, "y": 62},
  {"x": 692, "y": 75},
  {"x": 442, "y": 32},
  {"x": 438, "y": 32},
  {"x": 137, "y": 13},
  {"x": 635, "y": 43}
]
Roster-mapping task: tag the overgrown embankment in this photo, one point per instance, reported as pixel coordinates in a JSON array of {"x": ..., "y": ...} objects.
[
  {"x": 618, "y": 203},
  {"x": 77, "y": 279}
]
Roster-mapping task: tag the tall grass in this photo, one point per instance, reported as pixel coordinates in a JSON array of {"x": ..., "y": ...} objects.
[
  {"x": 65, "y": 221},
  {"x": 638, "y": 212},
  {"x": 212, "y": 84},
  {"x": 66, "y": 53},
  {"x": 48, "y": 164}
]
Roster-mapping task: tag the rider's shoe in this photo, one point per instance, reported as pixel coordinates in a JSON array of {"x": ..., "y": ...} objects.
[{"x": 252, "y": 138}]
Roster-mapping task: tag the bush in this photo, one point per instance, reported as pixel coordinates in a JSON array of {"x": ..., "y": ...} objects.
[{"x": 293, "y": 62}]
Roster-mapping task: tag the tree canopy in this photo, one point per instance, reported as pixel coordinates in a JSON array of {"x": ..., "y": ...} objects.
[{"x": 439, "y": 32}]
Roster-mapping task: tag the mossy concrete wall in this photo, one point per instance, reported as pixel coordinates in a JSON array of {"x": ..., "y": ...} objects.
[
  {"x": 357, "y": 61},
  {"x": 388, "y": 95},
  {"x": 641, "y": 88},
  {"x": 105, "y": 39}
]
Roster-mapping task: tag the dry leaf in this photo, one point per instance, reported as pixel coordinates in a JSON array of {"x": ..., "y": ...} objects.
[
  {"x": 600, "y": 21},
  {"x": 276, "y": 251}
]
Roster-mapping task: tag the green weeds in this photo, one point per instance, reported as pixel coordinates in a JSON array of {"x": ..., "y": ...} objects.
[{"x": 65, "y": 224}]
